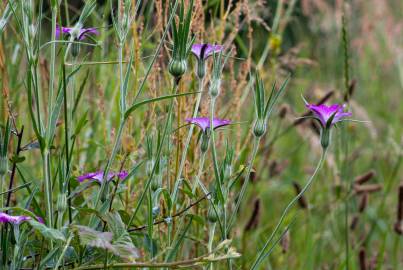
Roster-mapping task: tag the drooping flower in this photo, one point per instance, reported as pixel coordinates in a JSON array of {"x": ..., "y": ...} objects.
[
  {"x": 5, "y": 218},
  {"x": 79, "y": 35},
  {"x": 204, "y": 122},
  {"x": 98, "y": 176},
  {"x": 323, "y": 113},
  {"x": 203, "y": 51}
]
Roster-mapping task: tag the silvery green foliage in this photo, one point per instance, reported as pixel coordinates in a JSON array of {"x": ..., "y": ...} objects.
[{"x": 117, "y": 241}]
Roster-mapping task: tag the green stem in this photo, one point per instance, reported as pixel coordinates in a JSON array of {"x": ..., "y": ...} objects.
[
  {"x": 256, "y": 143},
  {"x": 198, "y": 176},
  {"x": 190, "y": 132},
  {"x": 48, "y": 187},
  {"x": 211, "y": 240},
  {"x": 262, "y": 254},
  {"x": 2, "y": 180},
  {"x": 159, "y": 150},
  {"x": 213, "y": 149},
  {"x": 52, "y": 60},
  {"x": 122, "y": 122}
]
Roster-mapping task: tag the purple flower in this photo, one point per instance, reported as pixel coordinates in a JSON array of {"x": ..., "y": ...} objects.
[
  {"x": 4, "y": 218},
  {"x": 83, "y": 32},
  {"x": 204, "y": 122},
  {"x": 324, "y": 112},
  {"x": 98, "y": 176},
  {"x": 203, "y": 51}
]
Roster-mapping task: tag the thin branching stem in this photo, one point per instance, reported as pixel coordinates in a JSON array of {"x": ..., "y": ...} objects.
[{"x": 263, "y": 254}]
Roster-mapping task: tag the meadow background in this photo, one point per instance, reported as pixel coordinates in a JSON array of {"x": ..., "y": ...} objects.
[{"x": 332, "y": 51}]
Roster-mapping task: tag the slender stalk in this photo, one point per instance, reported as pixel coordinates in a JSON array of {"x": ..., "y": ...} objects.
[
  {"x": 48, "y": 187},
  {"x": 211, "y": 240},
  {"x": 52, "y": 60},
  {"x": 116, "y": 144},
  {"x": 213, "y": 149},
  {"x": 262, "y": 254},
  {"x": 190, "y": 132},
  {"x": 66, "y": 146},
  {"x": 2, "y": 180},
  {"x": 14, "y": 167},
  {"x": 59, "y": 261},
  {"x": 256, "y": 143},
  {"x": 159, "y": 150},
  {"x": 198, "y": 176}
]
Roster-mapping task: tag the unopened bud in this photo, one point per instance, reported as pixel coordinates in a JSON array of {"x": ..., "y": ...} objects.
[
  {"x": 61, "y": 202},
  {"x": 260, "y": 128},
  {"x": 177, "y": 67},
  {"x": 214, "y": 89},
  {"x": 212, "y": 215},
  {"x": 155, "y": 183},
  {"x": 149, "y": 167}
]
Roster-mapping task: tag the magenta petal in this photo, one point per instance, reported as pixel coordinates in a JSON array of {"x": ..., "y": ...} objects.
[
  {"x": 5, "y": 218},
  {"x": 204, "y": 122},
  {"x": 85, "y": 31},
  {"x": 324, "y": 112},
  {"x": 203, "y": 51},
  {"x": 99, "y": 176}
]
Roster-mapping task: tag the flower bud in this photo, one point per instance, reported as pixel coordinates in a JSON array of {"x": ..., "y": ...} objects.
[
  {"x": 260, "y": 128},
  {"x": 212, "y": 215},
  {"x": 325, "y": 136},
  {"x": 214, "y": 89},
  {"x": 155, "y": 183},
  {"x": 177, "y": 67},
  {"x": 201, "y": 69},
  {"x": 61, "y": 202},
  {"x": 149, "y": 167},
  {"x": 3, "y": 165}
]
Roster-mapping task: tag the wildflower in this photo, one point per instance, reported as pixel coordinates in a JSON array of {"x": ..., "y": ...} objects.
[
  {"x": 323, "y": 113},
  {"x": 202, "y": 52},
  {"x": 4, "y": 218},
  {"x": 76, "y": 33},
  {"x": 204, "y": 124},
  {"x": 99, "y": 175},
  {"x": 327, "y": 116}
]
